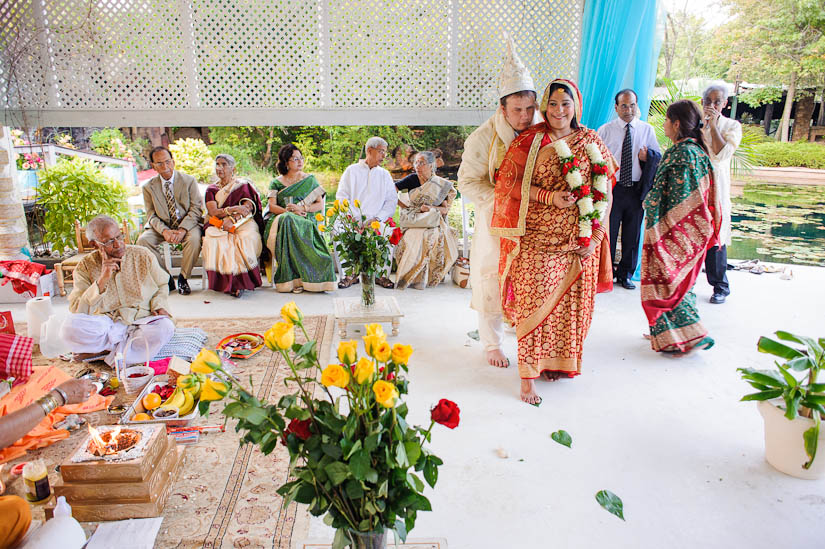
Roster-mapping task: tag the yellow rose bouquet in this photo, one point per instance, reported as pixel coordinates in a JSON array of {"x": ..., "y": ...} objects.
[{"x": 353, "y": 456}]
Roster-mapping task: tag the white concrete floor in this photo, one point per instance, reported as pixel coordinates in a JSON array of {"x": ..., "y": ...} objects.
[{"x": 667, "y": 435}]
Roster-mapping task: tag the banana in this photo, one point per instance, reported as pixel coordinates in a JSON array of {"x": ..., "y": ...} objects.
[
  {"x": 188, "y": 404},
  {"x": 175, "y": 401}
]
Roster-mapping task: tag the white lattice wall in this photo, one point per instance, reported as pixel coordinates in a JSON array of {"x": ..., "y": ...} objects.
[{"x": 239, "y": 62}]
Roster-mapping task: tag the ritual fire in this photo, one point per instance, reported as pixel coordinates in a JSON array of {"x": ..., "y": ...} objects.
[{"x": 111, "y": 442}]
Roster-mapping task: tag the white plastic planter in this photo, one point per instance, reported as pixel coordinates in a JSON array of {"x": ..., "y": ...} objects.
[{"x": 784, "y": 446}]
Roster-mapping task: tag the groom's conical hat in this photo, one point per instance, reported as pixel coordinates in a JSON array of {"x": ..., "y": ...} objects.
[{"x": 514, "y": 75}]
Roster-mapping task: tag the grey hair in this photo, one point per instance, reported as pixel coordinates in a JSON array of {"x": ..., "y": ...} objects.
[
  {"x": 714, "y": 88},
  {"x": 429, "y": 157},
  {"x": 375, "y": 142},
  {"x": 229, "y": 159},
  {"x": 96, "y": 225}
]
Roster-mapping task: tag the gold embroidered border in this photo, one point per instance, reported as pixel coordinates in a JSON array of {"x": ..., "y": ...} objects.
[
  {"x": 559, "y": 364},
  {"x": 526, "y": 180}
]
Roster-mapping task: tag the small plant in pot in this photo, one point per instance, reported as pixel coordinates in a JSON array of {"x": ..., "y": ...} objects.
[{"x": 792, "y": 402}]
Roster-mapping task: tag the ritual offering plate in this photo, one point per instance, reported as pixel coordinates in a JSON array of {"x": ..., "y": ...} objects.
[{"x": 242, "y": 345}]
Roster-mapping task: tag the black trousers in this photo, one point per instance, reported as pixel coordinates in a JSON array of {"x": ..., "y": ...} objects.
[
  {"x": 716, "y": 266},
  {"x": 628, "y": 213}
]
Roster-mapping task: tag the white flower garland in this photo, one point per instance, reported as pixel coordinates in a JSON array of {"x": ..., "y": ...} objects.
[{"x": 591, "y": 199}]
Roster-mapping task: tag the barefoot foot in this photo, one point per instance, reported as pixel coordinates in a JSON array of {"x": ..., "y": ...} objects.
[
  {"x": 528, "y": 392},
  {"x": 496, "y": 358},
  {"x": 547, "y": 375}
]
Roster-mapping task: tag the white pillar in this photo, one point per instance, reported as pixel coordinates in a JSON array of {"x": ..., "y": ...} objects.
[{"x": 13, "y": 233}]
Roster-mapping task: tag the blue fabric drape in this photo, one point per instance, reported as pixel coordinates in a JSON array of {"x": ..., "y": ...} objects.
[{"x": 620, "y": 49}]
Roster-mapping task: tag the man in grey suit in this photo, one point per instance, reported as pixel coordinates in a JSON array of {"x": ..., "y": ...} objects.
[{"x": 174, "y": 212}]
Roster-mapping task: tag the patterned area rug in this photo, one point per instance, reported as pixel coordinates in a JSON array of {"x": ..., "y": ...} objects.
[{"x": 224, "y": 495}]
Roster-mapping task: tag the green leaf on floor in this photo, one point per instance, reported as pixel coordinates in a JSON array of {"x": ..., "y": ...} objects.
[
  {"x": 562, "y": 437},
  {"x": 473, "y": 335},
  {"x": 611, "y": 503}
]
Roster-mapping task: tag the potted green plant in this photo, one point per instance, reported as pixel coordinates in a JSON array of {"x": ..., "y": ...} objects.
[
  {"x": 363, "y": 248},
  {"x": 353, "y": 456},
  {"x": 792, "y": 403}
]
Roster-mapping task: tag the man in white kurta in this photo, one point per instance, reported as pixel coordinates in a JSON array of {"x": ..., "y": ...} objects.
[
  {"x": 722, "y": 137},
  {"x": 119, "y": 300},
  {"x": 374, "y": 188},
  {"x": 483, "y": 153}
]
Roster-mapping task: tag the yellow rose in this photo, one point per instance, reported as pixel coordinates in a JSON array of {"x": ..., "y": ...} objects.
[
  {"x": 385, "y": 393},
  {"x": 322, "y": 228},
  {"x": 375, "y": 329},
  {"x": 336, "y": 204},
  {"x": 336, "y": 375},
  {"x": 382, "y": 351},
  {"x": 330, "y": 212},
  {"x": 213, "y": 390},
  {"x": 290, "y": 313},
  {"x": 364, "y": 370},
  {"x": 345, "y": 204},
  {"x": 375, "y": 225},
  {"x": 348, "y": 351},
  {"x": 401, "y": 353},
  {"x": 319, "y": 217},
  {"x": 356, "y": 203},
  {"x": 206, "y": 362},
  {"x": 371, "y": 342},
  {"x": 280, "y": 336}
]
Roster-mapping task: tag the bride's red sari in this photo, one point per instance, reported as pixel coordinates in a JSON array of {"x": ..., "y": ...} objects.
[{"x": 547, "y": 289}]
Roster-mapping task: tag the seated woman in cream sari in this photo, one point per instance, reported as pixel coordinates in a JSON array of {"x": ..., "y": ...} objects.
[
  {"x": 232, "y": 233},
  {"x": 428, "y": 248}
]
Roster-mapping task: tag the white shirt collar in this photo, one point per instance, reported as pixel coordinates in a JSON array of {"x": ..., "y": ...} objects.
[{"x": 171, "y": 181}]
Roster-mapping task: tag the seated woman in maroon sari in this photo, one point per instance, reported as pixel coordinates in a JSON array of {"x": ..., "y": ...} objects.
[
  {"x": 555, "y": 253},
  {"x": 232, "y": 234}
]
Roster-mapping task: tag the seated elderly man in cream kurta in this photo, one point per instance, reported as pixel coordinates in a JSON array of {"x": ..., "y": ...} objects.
[{"x": 119, "y": 299}]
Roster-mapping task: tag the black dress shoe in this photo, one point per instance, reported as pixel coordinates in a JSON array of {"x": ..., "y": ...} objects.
[
  {"x": 183, "y": 286},
  {"x": 627, "y": 284},
  {"x": 718, "y": 298},
  {"x": 171, "y": 284}
]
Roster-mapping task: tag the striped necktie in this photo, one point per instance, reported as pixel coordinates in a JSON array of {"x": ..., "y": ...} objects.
[
  {"x": 170, "y": 203},
  {"x": 626, "y": 167}
]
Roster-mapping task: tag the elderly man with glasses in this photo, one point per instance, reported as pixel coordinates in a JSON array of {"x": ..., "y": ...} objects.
[
  {"x": 119, "y": 300},
  {"x": 722, "y": 137}
]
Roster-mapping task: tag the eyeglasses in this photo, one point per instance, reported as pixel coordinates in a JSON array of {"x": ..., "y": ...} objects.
[
  {"x": 118, "y": 238},
  {"x": 716, "y": 103},
  {"x": 296, "y": 158}
]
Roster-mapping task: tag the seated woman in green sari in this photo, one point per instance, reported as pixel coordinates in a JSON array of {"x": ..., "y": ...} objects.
[{"x": 300, "y": 256}]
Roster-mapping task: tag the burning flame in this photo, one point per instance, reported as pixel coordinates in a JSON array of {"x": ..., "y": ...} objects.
[{"x": 95, "y": 434}]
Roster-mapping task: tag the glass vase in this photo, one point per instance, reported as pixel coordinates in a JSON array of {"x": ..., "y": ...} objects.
[
  {"x": 367, "y": 290},
  {"x": 368, "y": 540}
]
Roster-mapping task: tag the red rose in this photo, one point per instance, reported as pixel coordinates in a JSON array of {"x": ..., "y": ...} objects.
[
  {"x": 390, "y": 222},
  {"x": 395, "y": 237},
  {"x": 599, "y": 169},
  {"x": 585, "y": 190},
  {"x": 446, "y": 413},
  {"x": 597, "y": 196},
  {"x": 299, "y": 428},
  {"x": 584, "y": 241}
]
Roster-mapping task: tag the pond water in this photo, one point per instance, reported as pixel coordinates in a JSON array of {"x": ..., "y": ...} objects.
[{"x": 779, "y": 223}]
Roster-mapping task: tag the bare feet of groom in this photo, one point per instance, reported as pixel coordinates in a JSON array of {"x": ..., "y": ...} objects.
[{"x": 496, "y": 358}]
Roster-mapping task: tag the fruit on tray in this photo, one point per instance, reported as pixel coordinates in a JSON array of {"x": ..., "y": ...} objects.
[
  {"x": 165, "y": 391},
  {"x": 152, "y": 401},
  {"x": 175, "y": 401},
  {"x": 192, "y": 383},
  {"x": 188, "y": 404},
  {"x": 141, "y": 417}
]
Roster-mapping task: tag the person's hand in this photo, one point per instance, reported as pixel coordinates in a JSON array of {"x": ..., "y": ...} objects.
[
  {"x": 563, "y": 199},
  {"x": 425, "y": 208},
  {"x": 173, "y": 236},
  {"x": 586, "y": 251},
  {"x": 161, "y": 312},
  {"x": 77, "y": 390},
  {"x": 228, "y": 224},
  {"x": 711, "y": 115},
  {"x": 643, "y": 154},
  {"x": 109, "y": 267}
]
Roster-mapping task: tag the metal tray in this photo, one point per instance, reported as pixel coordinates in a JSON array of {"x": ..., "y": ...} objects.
[{"x": 137, "y": 407}]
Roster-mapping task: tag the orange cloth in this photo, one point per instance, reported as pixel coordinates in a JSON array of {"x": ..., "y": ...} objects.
[
  {"x": 43, "y": 380},
  {"x": 15, "y": 519}
]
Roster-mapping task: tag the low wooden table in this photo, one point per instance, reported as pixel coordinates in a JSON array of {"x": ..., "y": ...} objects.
[{"x": 348, "y": 310}]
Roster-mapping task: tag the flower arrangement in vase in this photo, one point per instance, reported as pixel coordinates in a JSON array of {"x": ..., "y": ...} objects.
[
  {"x": 363, "y": 247},
  {"x": 353, "y": 456}
]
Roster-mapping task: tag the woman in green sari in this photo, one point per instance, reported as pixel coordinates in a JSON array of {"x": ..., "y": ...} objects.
[{"x": 300, "y": 256}]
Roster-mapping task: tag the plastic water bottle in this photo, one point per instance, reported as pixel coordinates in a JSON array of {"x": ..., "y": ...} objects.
[{"x": 62, "y": 531}]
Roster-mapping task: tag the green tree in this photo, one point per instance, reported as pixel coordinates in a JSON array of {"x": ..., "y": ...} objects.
[{"x": 777, "y": 43}]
